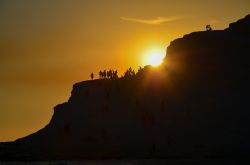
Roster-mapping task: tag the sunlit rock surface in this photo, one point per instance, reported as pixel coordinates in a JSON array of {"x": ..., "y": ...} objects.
[{"x": 195, "y": 106}]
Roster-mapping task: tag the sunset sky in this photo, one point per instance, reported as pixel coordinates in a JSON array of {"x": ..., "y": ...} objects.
[{"x": 46, "y": 46}]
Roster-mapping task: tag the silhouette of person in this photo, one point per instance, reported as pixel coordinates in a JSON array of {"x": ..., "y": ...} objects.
[
  {"x": 100, "y": 74},
  {"x": 92, "y": 75},
  {"x": 115, "y": 74},
  {"x": 208, "y": 28},
  {"x": 104, "y": 73}
]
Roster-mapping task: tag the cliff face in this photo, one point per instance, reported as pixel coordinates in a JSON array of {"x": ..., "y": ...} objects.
[{"x": 196, "y": 105}]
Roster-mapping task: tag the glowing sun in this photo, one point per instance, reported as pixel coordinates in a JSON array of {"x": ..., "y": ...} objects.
[{"x": 154, "y": 56}]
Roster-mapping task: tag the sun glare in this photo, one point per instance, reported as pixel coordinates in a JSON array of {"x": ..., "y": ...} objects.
[{"x": 154, "y": 56}]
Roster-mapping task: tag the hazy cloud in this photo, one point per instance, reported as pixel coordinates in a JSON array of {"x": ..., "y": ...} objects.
[
  {"x": 156, "y": 21},
  {"x": 213, "y": 21}
]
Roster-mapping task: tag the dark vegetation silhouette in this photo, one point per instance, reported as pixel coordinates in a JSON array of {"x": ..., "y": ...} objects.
[{"x": 195, "y": 106}]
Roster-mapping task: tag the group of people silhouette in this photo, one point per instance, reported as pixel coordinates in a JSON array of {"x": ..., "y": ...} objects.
[
  {"x": 113, "y": 74},
  {"x": 129, "y": 73},
  {"x": 108, "y": 74}
]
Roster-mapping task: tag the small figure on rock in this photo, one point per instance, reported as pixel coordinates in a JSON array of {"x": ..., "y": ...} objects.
[
  {"x": 92, "y": 75},
  {"x": 208, "y": 28}
]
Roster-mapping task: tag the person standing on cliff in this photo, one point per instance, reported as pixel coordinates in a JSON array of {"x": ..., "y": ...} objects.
[
  {"x": 92, "y": 75},
  {"x": 208, "y": 28}
]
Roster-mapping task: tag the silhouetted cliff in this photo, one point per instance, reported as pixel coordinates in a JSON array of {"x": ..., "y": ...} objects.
[{"x": 195, "y": 105}]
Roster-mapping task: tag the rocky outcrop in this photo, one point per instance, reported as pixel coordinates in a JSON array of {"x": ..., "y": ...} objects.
[
  {"x": 196, "y": 105},
  {"x": 213, "y": 51}
]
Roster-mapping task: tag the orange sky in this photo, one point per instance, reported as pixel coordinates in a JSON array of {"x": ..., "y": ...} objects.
[{"x": 46, "y": 46}]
